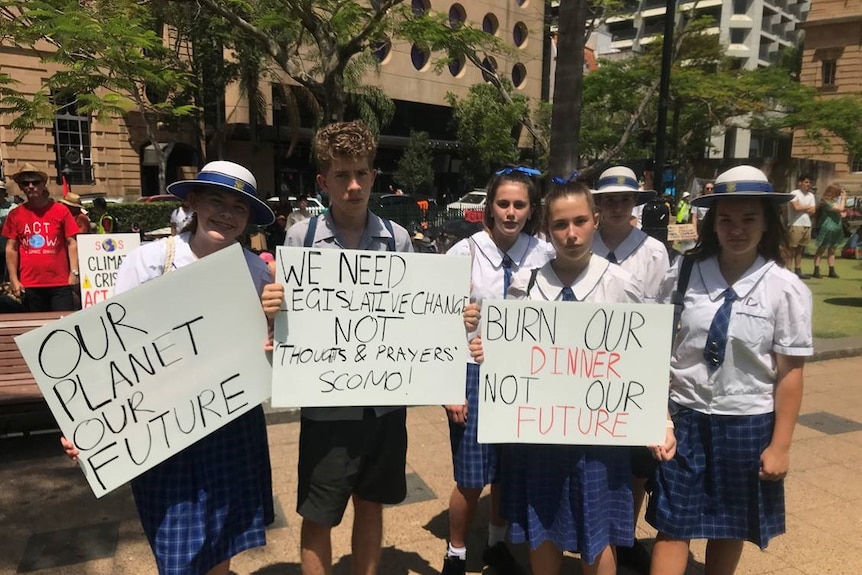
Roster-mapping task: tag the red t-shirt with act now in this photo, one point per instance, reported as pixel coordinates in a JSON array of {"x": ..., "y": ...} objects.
[{"x": 41, "y": 234}]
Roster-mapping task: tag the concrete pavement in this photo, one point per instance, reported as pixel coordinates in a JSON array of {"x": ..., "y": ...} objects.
[{"x": 53, "y": 525}]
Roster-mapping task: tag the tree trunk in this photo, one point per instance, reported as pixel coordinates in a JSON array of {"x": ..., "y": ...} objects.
[{"x": 568, "y": 88}]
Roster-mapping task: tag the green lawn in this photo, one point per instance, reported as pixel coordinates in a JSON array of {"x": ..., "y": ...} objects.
[{"x": 837, "y": 302}]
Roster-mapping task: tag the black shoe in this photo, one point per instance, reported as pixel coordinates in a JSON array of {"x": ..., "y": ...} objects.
[
  {"x": 802, "y": 276},
  {"x": 454, "y": 566},
  {"x": 501, "y": 559},
  {"x": 833, "y": 275},
  {"x": 816, "y": 273},
  {"x": 635, "y": 557}
]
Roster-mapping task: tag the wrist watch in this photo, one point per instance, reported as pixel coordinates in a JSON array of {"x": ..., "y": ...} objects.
[{"x": 76, "y": 273}]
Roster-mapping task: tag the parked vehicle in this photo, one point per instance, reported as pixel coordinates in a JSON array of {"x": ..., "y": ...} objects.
[
  {"x": 315, "y": 208},
  {"x": 474, "y": 200}
]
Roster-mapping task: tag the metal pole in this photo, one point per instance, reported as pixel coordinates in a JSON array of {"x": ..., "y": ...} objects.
[{"x": 663, "y": 92}]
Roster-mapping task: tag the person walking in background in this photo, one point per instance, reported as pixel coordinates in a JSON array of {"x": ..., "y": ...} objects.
[
  {"x": 831, "y": 234},
  {"x": 105, "y": 223},
  {"x": 73, "y": 202},
  {"x": 211, "y": 501},
  {"x": 683, "y": 212},
  {"x": 507, "y": 244},
  {"x": 180, "y": 218},
  {"x": 41, "y": 250},
  {"x": 699, "y": 211},
  {"x": 736, "y": 380},
  {"x": 299, "y": 214},
  {"x": 803, "y": 206}
]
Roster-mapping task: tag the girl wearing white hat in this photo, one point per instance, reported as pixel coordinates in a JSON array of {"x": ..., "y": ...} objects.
[
  {"x": 211, "y": 501},
  {"x": 618, "y": 241},
  {"x": 736, "y": 379}
]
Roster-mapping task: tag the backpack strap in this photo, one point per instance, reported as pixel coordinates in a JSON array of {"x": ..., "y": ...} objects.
[
  {"x": 533, "y": 274},
  {"x": 170, "y": 254},
  {"x": 678, "y": 300},
  {"x": 390, "y": 241},
  {"x": 309, "y": 233}
]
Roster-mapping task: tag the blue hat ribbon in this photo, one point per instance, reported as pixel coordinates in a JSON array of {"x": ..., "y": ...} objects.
[
  {"x": 532, "y": 172},
  {"x": 217, "y": 178},
  {"x": 563, "y": 181},
  {"x": 737, "y": 187},
  {"x": 618, "y": 181}
]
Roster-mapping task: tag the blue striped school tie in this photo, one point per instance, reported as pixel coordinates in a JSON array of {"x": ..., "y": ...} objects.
[
  {"x": 568, "y": 294},
  {"x": 612, "y": 257},
  {"x": 716, "y": 339},
  {"x": 507, "y": 273}
]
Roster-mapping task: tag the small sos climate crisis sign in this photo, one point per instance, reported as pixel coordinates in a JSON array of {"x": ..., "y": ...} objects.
[{"x": 99, "y": 258}]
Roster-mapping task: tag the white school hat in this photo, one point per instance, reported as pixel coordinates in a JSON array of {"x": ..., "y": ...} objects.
[
  {"x": 230, "y": 177},
  {"x": 622, "y": 179},
  {"x": 741, "y": 182}
]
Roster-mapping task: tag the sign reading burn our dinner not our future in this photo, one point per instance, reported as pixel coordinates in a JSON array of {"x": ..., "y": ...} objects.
[
  {"x": 140, "y": 377},
  {"x": 369, "y": 328},
  {"x": 99, "y": 258},
  {"x": 574, "y": 373}
]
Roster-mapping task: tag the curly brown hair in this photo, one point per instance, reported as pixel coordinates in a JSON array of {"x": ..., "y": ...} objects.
[{"x": 343, "y": 140}]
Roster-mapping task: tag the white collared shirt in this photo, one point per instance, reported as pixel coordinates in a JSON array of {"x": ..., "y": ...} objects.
[
  {"x": 374, "y": 237},
  {"x": 148, "y": 262},
  {"x": 600, "y": 282},
  {"x": 642, "y": 256},
  {"x": 486, "y": 271},
  {"x": 772, "y": 315}
]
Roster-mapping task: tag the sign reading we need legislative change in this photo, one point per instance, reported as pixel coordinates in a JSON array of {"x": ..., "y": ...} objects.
[
  {"x": 369, "y": 328},
  {"x": 99, "y": 258},
  {"x": 136, "y": 379},
  {"x": 574, "y": 373}
]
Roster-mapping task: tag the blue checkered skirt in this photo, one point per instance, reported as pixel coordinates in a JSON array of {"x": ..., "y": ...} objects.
[
  {"x": 475, "y": 464},
  {"x": 711, "y": 488},
  {"x": 577, "y": 497},
  {"x": 210, "y": 501}
]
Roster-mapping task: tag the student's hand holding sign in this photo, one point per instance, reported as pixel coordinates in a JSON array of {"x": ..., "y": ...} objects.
[{"x": 472, "y": 315}]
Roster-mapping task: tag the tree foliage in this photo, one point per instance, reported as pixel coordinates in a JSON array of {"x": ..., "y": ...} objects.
[
  {"x": 415, "y": 171},
  {"x": 109, "y": 58},
  {"x": 486, "y": 124}
]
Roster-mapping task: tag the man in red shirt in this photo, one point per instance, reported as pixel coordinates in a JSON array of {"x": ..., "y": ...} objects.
[{"x": 41, "y": 251}]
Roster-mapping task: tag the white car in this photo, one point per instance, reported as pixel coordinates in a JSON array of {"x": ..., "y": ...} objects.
[{"x": 474, "y": 200}]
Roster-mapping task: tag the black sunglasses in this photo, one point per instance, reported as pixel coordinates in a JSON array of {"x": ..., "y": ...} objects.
[{"x": 25, "y": 183}]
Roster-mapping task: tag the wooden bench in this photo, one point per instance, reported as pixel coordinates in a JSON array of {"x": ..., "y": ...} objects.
[{"x": 22, "y": 407}]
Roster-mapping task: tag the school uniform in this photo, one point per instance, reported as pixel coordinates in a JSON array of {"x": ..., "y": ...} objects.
[
  {"x": 642, "y": 256},
  {"x": 577, "y": 497},
  {"x": 476, "y": 465},
  {"x": 724, "y": 417},
  {"x": 212, "y": 500}
]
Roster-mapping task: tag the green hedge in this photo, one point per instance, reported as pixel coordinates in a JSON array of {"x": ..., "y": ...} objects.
[{"x": 150, "y": 216}]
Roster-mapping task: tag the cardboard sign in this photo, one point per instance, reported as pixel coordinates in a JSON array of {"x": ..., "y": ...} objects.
[
  {"x": 136, "y": 379},
  {"x": 99, "y": 258},
  {"x": 681, "y": 232},
  {"x": 369, "y": 328},
  {"x": 574, "y": 373}
]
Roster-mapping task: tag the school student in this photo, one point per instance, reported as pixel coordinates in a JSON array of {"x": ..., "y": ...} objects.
[
  {"x": 506, "y": 245},
  {"x": 346, "y": 454},
  {"x": 736, "y": 380},
  {"x": 212, "y": 500},
  {"x": 646, "y": 258},
  {"x": 565, "y": 497}
]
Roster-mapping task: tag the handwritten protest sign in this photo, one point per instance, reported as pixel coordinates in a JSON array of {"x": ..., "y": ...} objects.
[
  {"x": 99, "y": 258},
  {"x": 136, "y": 379},
  {"x": 681, "y": 232},
  {"x": 587, "y": 374},
  {"x": 369, "y": 328}
]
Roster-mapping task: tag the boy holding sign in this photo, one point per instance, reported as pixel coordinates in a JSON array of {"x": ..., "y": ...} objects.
[
  {"x": 346, "y": 453},
  {"x": 570, "y": 497},
  {"x": 212, "y": 500}
]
